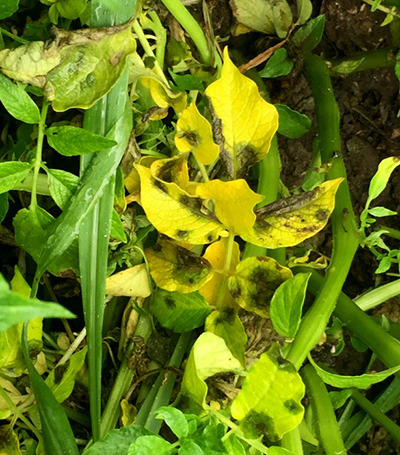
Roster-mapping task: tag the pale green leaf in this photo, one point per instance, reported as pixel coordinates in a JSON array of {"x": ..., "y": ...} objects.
[
  {"x": 304, "y": 10},
  {"x": 12, "y": 173},
  {"x": 233, "y": 446},
  {"x": 381, "y": 211},
  {"x": 179, "y": 312},
  {"x": 9, "y": 440},
  {"x": 175, "y": 419},
  {"x": 275, "y": 450},
  {"x": 270, "y": 398},
  {"x": 287, "y": 303},
  {"x": 8, "y": 8},
  {"x": 209, "y": 356},
  {"x": 72, "y": 141},
  {"x": 117, "y": 228},
  {"x": 62, "y": 185},
  {"x": 15, "y": 308},
  {"x": 381, "y": 177},
  {"x": 61, "y": 380},
  {"x": 17, "y": 102},
  {"x": 360, "y": 382},
  {"x": 149, "y": 445},
  {"x": 131, "y": 282}
]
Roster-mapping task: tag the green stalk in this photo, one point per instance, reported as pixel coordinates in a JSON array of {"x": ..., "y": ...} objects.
[
  {"x": 328, "y": 428},
  {"x": 12, "y": 36},
  {"x": 95, "y": 229},
  {"x": 292, "y": 441},
  {"x": 380, "y": 58},
  {"x": 182, "y": 15},
  {"x": 227, "y": 265},
  {"x": 345, "y": 237},
  {"x": 376, "y": 414},
  {"x": 379, "y": 295}
]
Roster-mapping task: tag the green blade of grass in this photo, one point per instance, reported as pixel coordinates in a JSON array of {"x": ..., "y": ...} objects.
[{"x": 95, "y": 230}]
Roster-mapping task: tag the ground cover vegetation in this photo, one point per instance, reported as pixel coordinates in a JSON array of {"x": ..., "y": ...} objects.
[{"x": 177, "y": 228}]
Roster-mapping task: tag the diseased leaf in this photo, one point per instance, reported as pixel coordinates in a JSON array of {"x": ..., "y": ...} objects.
[
  {"x": 255, "y": 281},
  {"x": 292, "y": 124},
  {"x": 227, "y": 325},
  {"x": 194, "y": 134},
  {"x": 288, "y": 222},
  {"x": 17, "y": 102},
  {"x": 244, "y": 123},
  {"x": 31, "y": 235},
  {"x": 287, "y": 303},
  {"x": 278, "y": 65},
  {"x": 9, "y": 441},
  {"x": 209, "y": 356},
  {"x": 15, "y": 396},
  {"x": 117, "y": 441},
  {"x": 149, "y": 445},
  {"x": 233, "y": 201},
  {"x": 15, "y": 308},
  {"x": 163, "y": 96},
  {"x": 171, "y": 170},
  {"x": 175, "y": 419},
  {"x": 12, "y": 173},
  {"x": 263, "y": 16},
  {"x": 61, "y": 380},
  {"x": 76, "y": 69},
  {"x": 72, "y": 141},
  {"x": 215, "y": 254},
  {"x": 8, "y": 8},
  {"x": 175, "y": 213},
  {"x": 179, "y": 312},
  {"x": 270, "y": 398},
  {"x": 174, "y": 268},
  {"x": 360, "y": 382},
  {"x": 132, "y": 282}
]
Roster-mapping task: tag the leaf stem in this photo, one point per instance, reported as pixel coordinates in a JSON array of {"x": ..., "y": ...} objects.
[
  {"x": 328, "y": 428},
  {"x": 379, "y": 295},
  {"x": 182, "y": 15},
  {"x": 12, "y": 36},
  {"x": 38, "y": 156},
  {"x": 227, "y": 265}
]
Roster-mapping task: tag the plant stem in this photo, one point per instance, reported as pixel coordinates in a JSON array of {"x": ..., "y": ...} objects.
[
  {"x": 328, "y": 428},
  {"x": 379, "y": 295},
  {"x": 14, "y": 37},
  {"x": 38, "y": 157},
  {"x": 182, "y": 15},
  {"x": 376, "y": 414},
  {"x": 345, "y": 237},
  {"x": 161, "y": 35},
  {"x": 292, "y": 441},
  {"x": 227, "y": 265}
]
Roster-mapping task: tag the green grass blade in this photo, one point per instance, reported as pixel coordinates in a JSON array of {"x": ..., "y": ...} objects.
[
  {"x": 95, "y": 229},
  {"x": 58, "y": 437}
]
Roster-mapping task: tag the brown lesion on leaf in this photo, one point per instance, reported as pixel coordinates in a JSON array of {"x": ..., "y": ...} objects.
[
  {"x": 235, "y": 292},
  {"x": 190, "y": 262},
  {"x": 285, "y": 206},
  {"x": 116, "y": 58},
  {"x": 322, "y": 215},
  {"x": 168, "y": 171},
  {"x": 181, "y": 233},
  {"x": 169, "y": 302},
  {"x": 293, "y": 407},
  {"x": 246, "y": 157},
  {"x": 160, "y": 185},
  {"x": 191, "y": 137},
  {"x": 59, "y": 373},
  {"x": 193, "y": 203}
]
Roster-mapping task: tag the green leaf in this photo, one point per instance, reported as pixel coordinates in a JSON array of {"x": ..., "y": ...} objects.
[
  {"x": 189, "y": 447},
  {"x": 72, "y": 141},
  {"x": 8, "y": 8},
  {"x": 275, "y": 450},
  {"x": 14, "y": 308},
  {"x": 179, "y": 312},
  {"x": 278, "y": 65},
  {"x": 175, "y": 419},
  {"x": 287, "y": 303},
  {"x": 62, "y": 185},
  {"x": 209, "y": 356},
  {"x": 227, "y": 325},
  {"x": 233, "y": 446},
  {"x": 117, "y": 227},
  {"x": 31, "y": 235},
  {"x": 12, "y": 173},
  {"x": 3, "y": 206},
  {"x": 339, "y": 398},
  {"x": 149, "y": 445},
  {"x": 17, "y": 102},
  {"x": 381, "y": 177},
  {"x": 360, "y": 382},
  {"x": 308, "y": 36},
  {"x": 270, "y": 399},
  {"x": 381, "y": 211},
  {"x": 61, "y": 380},
  {"x": 71, "y": 9},
  {"x": 292, "y": 124},
  {"x": 304, "y": 10}
]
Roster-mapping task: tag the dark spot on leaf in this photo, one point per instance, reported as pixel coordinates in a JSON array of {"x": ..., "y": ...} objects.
[
  {"x": 293, "y": 407},
  {"x": 161, "y": 186},
  {"x": 210, "y": 238},
  {"x": 322, "y": 214},
  {"x": 191, "y": 280},
  {"x": 170, "y": 302},
  {"x": 236, "y": 292},
  {"x": 115, "y": 59},
  {"x": 157, "y": 248},
  {"x": 193, "y": 203},
  {"x": 181, "y": 233},
  {"x": 256, "y": 424},
  {"x": 190, "y": 136},
  {"x": 59, "y": 373},
  {"x": 285, "y": 206},
  {"x": 311, "y": 228},
  {"x": 228, "y": 314}
]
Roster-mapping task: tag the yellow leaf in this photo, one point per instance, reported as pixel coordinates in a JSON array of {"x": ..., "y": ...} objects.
[
  {"x": 129, "y": 413},
  {"x": 234, "y": 202},
  {"x": 215, "y": 254},
  {"x": 171, "y": 170},
  {"x": 194, "y": 134},
  {"x": 255, "y": 282},
  {"x": 14, "y": 394},
  {"x": 244, "y": 122},
  {"x": 132, "y": 282},
  {"x": 173, "y": 212},
  {"x": 174, "y": 268},
  {"x": 9, "y": 442},
  {"x": 288, "y": 222},
  {"x": 163, "y": 96}
]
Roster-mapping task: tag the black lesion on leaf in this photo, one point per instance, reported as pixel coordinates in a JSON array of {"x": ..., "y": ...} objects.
[
  {"x": 235, "y": 292},
  {"x": 191, "y": 137},
  {"x": 169, "y": 302},
  {"x": 322, "y": 214},
  {"x": 157, "y": 248},
  {"x": 293, "y": 407},
  {"x": 256, "y": 424},
  {"x": 160, "y": 185},
  {"x": 285, "y": 206},
  {"x": 168, "y": 171},
  {"x": 264, "y": 287},
  {"x": 181, "y": 233},
  {"x": 246, "y": 157},
  {"x": 227, "y": 314},
  {"x": 193, "y": 203},
  {"x": 190, "y": 262},
  {"x": 59, "y": 373}
]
